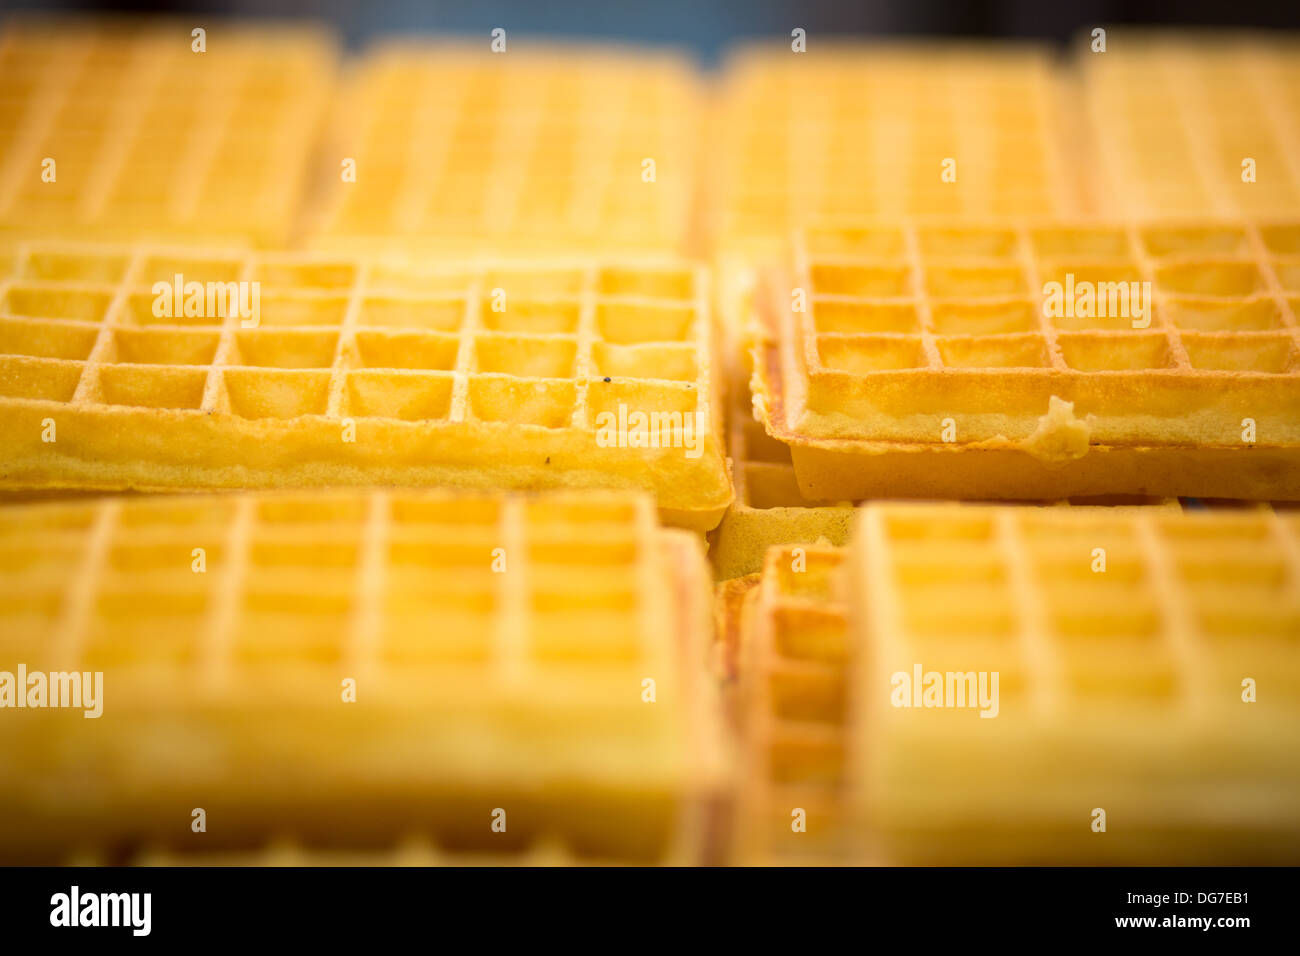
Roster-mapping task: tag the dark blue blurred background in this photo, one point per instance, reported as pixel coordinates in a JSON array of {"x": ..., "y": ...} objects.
[{"x": 708, "y": 26}]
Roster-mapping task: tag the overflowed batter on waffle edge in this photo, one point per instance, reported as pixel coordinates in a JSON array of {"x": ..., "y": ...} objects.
[{"x": 927, "y": 360}]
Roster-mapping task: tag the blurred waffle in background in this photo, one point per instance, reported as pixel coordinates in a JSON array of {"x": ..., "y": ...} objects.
[
  {"x": 149, "y": 139},
  {"x": 543, "y": 148},
  {"x": 857, "y": 130},
  {"x": 1176, "y": 117}
]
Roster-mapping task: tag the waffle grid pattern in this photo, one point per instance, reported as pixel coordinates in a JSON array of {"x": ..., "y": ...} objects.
[
  {"x": 536, "y": 148},
  {"x": 861, "y": 131},
  {"x": 1176, "y": 115},
  {"x": 369, "y": 340},
  {"x": 795, "y": 722},
  {"x": 949, "y": 310},
  {"x": 1188, "y": 606},
  {"x": 152, "y": 140},
  {"x": 302, "y": 589}
]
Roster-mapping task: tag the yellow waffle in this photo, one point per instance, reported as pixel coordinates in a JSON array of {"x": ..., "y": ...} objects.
[
  {"x": 1174, "y": 116},
  {"x": 151, "y": 140},
  {"x": 860, "y": 130},
  {"x": 541, "y": 148},
  {"x": 499, "y": 645},
  {"x": 769, "y": 508},
  {"x": 1119, "y": 690},
  {"x": 916, "y": 334},
  {"x": 728, "y": 599},
  {"x": 794, "y": 721},
  {"x": 362, "y": 371}
]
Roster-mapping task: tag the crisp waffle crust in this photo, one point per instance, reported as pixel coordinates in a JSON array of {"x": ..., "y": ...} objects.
[
  {"x": 361, "y": 371},
  {"x": 498, "y": 646}
]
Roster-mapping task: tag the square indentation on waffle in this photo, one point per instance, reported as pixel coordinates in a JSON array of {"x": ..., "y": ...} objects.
[
  {"x": 1254, "y": 313},
  {"x": 152, "y": 140},
  {"x": 1010, "y": 351},
  {"x": 428, "y": 312},
  {"x": 897, "y": 330},
  {"x": 1080, "y": 242},
  {"x": 1106, "y": 295},
  {"x": 1120, "y": 353},
  {"x": 863, "y": 354},
  {"x": 1274, "y": 354},
  {"x": 1139, "y": 618},
  {"x": 46, "y": 339},
  {"x": 1222, "y": 278},
  {"x": 164, "y": 346},
  {"x": 72, "y": 265},
  {"x": 277, "y": 393},
  {"x": 54, "y": 300},
  {"x": 152, "y": 386},
  {"x": 456, "y": 616}
]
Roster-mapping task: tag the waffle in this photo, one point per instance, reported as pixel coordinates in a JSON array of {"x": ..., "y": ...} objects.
[
  {"x": 1119, "y": 691},
  {"x": 728, "y": 600},
  {"x": 860, "y": 130},
  {"x": 475, "y": 690},
  {"x": 152, "y": 140},
  {"x": 1175, "y": 114},
  {"x": 411, "y": 361},
  {"x": 914, "y": 330},
  {"x": 537, "y": 149},
  {"x": 794, "y": 724}
]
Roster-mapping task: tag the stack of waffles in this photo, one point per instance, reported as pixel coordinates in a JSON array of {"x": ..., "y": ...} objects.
[
  {"x": 999, "y": 684},
  {"x": 432, "y": 347}
]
